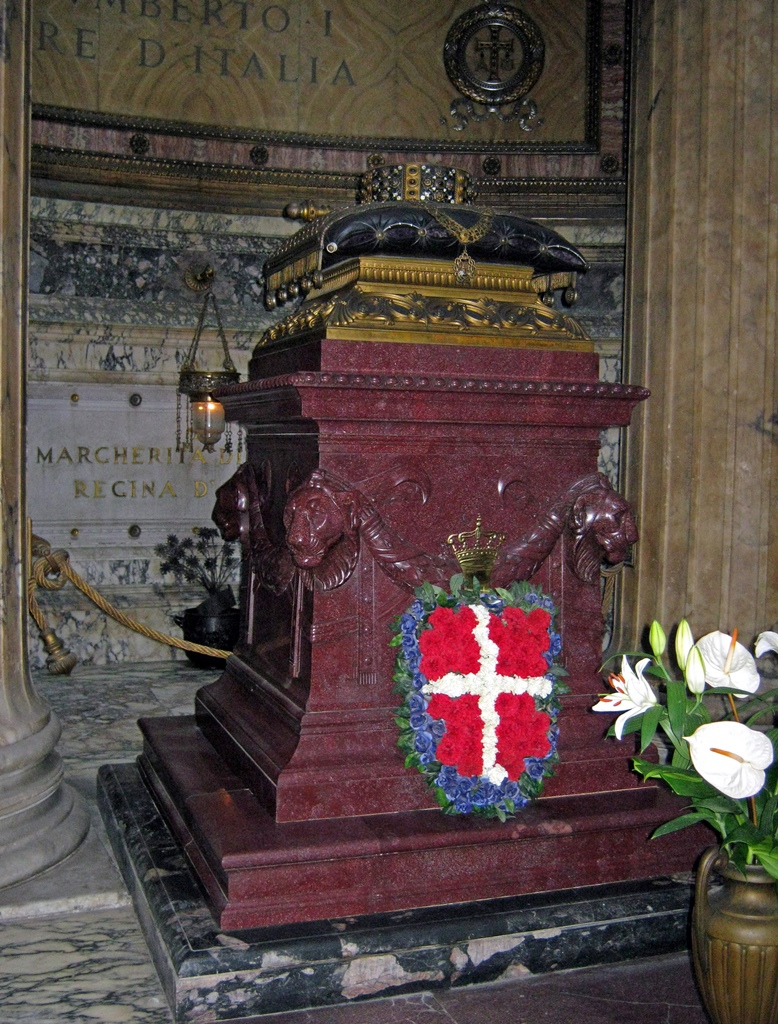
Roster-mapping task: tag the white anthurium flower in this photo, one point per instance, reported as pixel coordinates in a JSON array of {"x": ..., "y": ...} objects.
[
  {"x": 731, "y": 757},
  {"x": 684, "y": 641},
  {"x": 728, "y": 663},
  {"x": 766, "y": 642},
  {"x": 632, "y": 696},
  {"x": 694, "y": 671}
]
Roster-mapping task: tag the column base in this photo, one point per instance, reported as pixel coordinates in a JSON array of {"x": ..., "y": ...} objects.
[
  {"x": 42, "y": 820},
  {"x": 39, "y": 837}
]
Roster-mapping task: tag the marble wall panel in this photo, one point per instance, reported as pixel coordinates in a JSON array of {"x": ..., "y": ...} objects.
[
  {"x": 97, "y": 639},
  {"x": 82, "y": 256}
]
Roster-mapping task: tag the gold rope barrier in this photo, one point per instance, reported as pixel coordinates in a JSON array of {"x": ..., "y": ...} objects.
[{"x": 50, "y": 572}]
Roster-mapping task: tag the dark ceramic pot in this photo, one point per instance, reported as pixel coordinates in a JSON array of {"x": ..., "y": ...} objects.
[
  {"x": 219, "y": 630},
  {"x": 735, "y": 942}
]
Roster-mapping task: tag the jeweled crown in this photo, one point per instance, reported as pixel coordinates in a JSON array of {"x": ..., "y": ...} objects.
[{"x": 475, "y": 551}]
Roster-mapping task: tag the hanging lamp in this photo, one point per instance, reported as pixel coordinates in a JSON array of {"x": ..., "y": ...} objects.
[{"x": 204, "y": 419}]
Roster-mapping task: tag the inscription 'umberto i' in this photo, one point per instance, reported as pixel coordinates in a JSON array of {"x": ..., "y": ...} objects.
[{"x": 155, "y": 21}]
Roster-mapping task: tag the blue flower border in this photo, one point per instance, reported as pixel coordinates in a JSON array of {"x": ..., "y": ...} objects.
[{"x": 420, "y": 733}]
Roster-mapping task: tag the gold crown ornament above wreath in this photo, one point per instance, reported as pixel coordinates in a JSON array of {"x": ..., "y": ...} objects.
[{"x": 475, "y": 551}]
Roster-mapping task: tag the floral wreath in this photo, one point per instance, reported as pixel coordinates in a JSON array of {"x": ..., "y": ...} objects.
[{"x": 481, "y": 689}]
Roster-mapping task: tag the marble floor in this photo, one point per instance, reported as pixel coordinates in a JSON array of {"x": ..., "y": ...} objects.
[{"x": 71, "y": 949}]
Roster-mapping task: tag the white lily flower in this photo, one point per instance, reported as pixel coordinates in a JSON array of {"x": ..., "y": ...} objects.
[
  {"x": 766, "y": 642},
  {"x": 694, "y": 672},
  {"x": 728, "y": 663},
  {"x": 731, "y": 757},
  {"x": 633, "y": 695},
  {"x": 684, "y": 641}
]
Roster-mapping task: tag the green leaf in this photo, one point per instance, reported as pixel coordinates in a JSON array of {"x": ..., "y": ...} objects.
[
  {"x": 722, "y": 691},
  {"x": 456, "y": 583},
  {"x": 684, "y": 781},
  {"x": 738, "y": 856},
  {"x": 767, "y": 855},
  {"x": 746, "y": 833},
  {"x": 656, "y": 672},
  {"x": 396, "y": 640},
  {"x": 631, "y": 725},
  {"x": 680, "y": 746},
  {"x": 685, "y": 820},
  {"x": 747, "y": 717},
  {"x": 694, "y": 719},
  {"x": 766, "y": 813},
  {"x": 703, "y": 714},
  {"x": 676, "y": 706},
  {"x": 441, "y": 798},
  {"x": 649, "y": 721},
  {"x": 679, "y": 759},
  {"x": 719, "y": 804}
]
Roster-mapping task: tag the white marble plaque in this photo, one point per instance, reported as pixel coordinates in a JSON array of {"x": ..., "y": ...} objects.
[{"x": 103, "y": 470}]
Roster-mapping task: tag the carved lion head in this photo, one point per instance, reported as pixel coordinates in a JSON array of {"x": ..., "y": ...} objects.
[
  {"x": 239, "y": 504},
  {"x": 603, "y": 528},
  {"x": 321, "y": 520}
]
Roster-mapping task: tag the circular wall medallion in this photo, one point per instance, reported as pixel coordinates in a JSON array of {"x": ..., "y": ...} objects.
[
  {"x": 258, "y": 155},
  {"x": 139, "y": 144},
  {"x": 494, "y": 54}
]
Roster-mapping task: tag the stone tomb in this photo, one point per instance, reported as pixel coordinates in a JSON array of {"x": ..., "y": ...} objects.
[{"x": 395, "y": 405}]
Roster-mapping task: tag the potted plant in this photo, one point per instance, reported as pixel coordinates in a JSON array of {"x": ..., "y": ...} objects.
[
  {"x": 727, "y": 771},
  {"x": 204, "y": 559}
]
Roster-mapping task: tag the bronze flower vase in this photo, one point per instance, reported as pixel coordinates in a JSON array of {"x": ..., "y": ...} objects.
[
  {"x": 735, "y": 942},
  {"x": 215, "y": 622}
]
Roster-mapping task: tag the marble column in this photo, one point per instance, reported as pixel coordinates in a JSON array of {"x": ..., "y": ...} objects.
[
  {"x": 701, "y": 315},
  {"x": 41, "y": 819}
]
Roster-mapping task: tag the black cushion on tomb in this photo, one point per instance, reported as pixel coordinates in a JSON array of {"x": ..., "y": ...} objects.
[{"x": 410, "y": 229}]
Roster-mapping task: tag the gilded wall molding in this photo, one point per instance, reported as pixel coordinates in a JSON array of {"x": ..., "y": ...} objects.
[
  {"x": 74, "y": 174},
  {"x": 44, "y": 157}
]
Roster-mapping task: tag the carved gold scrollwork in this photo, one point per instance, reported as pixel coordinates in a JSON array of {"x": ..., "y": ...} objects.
[{"x": 355, "y": 307}]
